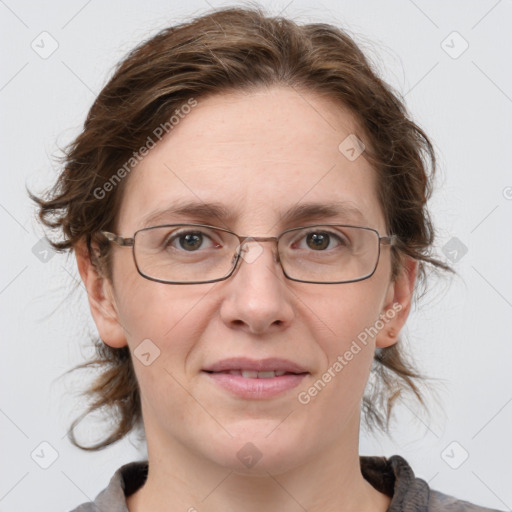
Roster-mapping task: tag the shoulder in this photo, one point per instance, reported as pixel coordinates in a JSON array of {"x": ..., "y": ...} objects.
[
  {"x": 392, "y": 476},
  {"x": 395, "y": 477},
  {"x": 444, "y": 502},
  {"x": 125, "y": 481}
]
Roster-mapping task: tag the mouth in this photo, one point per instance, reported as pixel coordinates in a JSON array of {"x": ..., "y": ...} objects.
[
  {"x": 255, "y": 379},
  {"x": 251, "y": 374},
  {"x": 268, "y": 366}
]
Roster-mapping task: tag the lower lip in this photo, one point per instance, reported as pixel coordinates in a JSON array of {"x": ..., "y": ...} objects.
[{"x": 256, "y": 389}]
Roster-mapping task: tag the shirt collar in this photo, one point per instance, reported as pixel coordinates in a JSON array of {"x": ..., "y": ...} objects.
[{"x": 392, "y": 476}]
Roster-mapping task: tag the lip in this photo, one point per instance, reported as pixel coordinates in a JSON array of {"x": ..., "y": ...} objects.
[
  {"x": 258, "y": 365},
  {"x": 255, "y": 388}
]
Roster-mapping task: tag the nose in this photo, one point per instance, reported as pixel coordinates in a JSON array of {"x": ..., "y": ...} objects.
[{"x": 258, "y": 297}]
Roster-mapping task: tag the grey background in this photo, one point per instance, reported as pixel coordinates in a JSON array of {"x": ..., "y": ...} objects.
[{"x": 460, "y": 334}]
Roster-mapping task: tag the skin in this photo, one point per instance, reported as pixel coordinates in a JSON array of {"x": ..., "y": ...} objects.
[{"x": 258, "y": 153}]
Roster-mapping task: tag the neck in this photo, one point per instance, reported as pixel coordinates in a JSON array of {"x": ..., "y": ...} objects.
[{"x": 328, "y": 480}]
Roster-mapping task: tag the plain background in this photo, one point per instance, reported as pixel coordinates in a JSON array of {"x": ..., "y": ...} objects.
[{"x": 460, "y": 334}]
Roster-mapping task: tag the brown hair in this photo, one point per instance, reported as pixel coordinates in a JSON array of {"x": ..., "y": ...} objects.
[{"x": 238, "y": 49}]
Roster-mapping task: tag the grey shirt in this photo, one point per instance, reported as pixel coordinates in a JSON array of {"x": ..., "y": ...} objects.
[{"x": 392, "y": 476}]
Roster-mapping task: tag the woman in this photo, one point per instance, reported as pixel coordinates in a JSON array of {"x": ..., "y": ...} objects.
[{"x": 247, "y": 206}]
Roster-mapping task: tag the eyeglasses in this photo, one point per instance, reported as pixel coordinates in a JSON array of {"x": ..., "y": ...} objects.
[{"x": 199, "y": 253}]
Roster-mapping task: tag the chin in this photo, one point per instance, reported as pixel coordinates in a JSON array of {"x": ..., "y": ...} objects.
[{"x": 258, "y": 448}]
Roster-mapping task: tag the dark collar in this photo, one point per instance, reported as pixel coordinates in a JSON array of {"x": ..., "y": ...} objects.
[{"x": 392, "y": 476}]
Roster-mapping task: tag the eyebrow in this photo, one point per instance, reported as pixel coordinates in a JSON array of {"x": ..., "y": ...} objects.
[{"x": 204, "y": 213}]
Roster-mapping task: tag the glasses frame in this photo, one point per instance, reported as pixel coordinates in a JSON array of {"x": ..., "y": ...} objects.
[{"x": 390, "y": 240}]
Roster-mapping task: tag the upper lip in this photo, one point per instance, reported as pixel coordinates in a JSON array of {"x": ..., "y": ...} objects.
[{"x": 259, "y": 365}]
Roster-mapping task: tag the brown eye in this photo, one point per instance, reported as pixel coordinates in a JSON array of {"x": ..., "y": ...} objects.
[
  {"x": 318, "y": 240},
  {"x": 190, "y": 241},
  {"x": 321, "y": 241}
]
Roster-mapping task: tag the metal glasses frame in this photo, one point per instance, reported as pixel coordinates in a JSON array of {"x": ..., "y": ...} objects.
[{"x": 130, "y": 242}]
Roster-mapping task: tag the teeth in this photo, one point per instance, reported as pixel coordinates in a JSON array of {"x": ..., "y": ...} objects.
[
  {"x": 266, "y": 375},
  {"x": 250, "y": 374}
]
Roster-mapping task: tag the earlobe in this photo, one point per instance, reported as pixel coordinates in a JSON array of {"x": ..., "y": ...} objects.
[
  {"x": 101, "y": 299},
  {"x": 398, "y": 304}
]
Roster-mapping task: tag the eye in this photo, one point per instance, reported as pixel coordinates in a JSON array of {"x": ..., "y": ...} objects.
[
  {"x": 190, "y": 241},
  {"x": 322, "y": 240},
  {"x": 318, "y": 240}
]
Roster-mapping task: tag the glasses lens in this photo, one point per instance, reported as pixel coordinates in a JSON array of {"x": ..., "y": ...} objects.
[
  {"x": 184, "y": 253},
  {"x": 329, "y": 254},
  {"x": 188, "y": 253}
]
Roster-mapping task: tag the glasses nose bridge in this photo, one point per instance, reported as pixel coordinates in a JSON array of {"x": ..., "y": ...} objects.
[{"x": 245, "y": 239}]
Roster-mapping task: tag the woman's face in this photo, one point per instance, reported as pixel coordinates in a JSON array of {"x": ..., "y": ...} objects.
[{"x": 259, "y": 155}]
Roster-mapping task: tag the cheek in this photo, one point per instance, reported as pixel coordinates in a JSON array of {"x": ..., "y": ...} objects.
[
  {"x": 333, "y": 397},
  {"x": 169, "y": 316},
  {"x": 347, "y": 321},
  {"x": 345, "y": 310},
  {"x": 163, "y": 326}
]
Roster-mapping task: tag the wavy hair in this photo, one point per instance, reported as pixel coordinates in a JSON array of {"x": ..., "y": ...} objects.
[{"x": 226, "y": 50}]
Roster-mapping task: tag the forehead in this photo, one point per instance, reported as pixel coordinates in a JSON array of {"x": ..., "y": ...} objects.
[{"x": 260, "y": 158}]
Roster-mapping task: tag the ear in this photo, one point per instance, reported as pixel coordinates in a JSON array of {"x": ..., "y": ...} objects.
[
  {"x": 397, "y": 304},
  {"x": 101, "y": 299}
]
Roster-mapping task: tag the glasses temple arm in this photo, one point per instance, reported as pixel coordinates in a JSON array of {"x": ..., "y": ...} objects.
[
  {"x": 389, "y": 240},
  {"x": 112, "y": 237}
]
